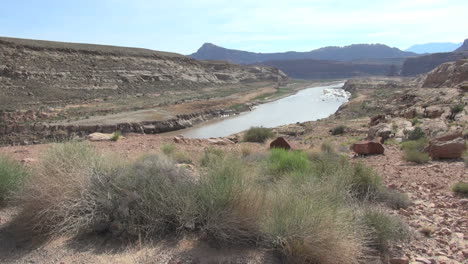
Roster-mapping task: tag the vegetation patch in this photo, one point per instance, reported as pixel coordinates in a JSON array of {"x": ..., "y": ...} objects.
[
  {"x": 12, "y": 175},
  {"x": 339, "y": 130},
  {"x": 312, "y": 213},
  {"x": 460, "y": 188},
  {"x": 258, "y": 134},
  {"x": 413, "y": 151}
]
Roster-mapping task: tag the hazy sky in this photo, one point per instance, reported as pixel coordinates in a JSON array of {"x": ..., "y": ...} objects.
[{"x": 255, "y": 25}]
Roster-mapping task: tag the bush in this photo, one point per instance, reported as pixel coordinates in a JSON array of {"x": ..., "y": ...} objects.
[
  {"x": 60, "y": 198},
  {"x": 415, "y": 121},
  {"x": 116, "y": 136},
  {"x": 384, "y": 228},
  {"x": 339, "y": 130},
  {"x": 211, "y": 155},
  {"x": 365, "y": 182},
  {"x": 12, "y": 174},
  {"x": 307, "y": 226},
  {"x": 281, "y": 162},
  {"x": 413, "y": 151},
  {"x": 394, "y": 199},
  {"x": 258, "y": 134},
  {"x": 229, "y": 205},
  {"x": 168, "y": 149},
  {"x": 457, "y": 109},
  {"x": 461, "y": 188},
  {"x": 416, "y": 134}
]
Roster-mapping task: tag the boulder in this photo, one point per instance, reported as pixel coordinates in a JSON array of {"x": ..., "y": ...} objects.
[
  {"x": 382, "y": 130},
  {"x": 99, "y": 137},
  {"x": 449, "y": 149},
  {"x": 368, "y": 148},
  {"x": 375, "y": 120},
  {"x": 281, "y": 142},
  {"x": 434, "y": 111},
  {"x": 434, "y": 127}
]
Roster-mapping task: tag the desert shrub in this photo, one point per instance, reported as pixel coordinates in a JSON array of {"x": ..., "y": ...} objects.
[
  {"x": 181, "y": 157},
  {"x": 416, "y": 134},
  {"x": 258, "y": 134},
  {"x": 413, "y": 151},
  {"x": 60, "y": 197},
  {"x": 211, "y": 155},
  {"x": 385, "y": 228},
  {"x": 460, "y": 188},
  {"x": 168, "y": 149},
  {"x": 116, "y": 136},
  {"x": 306, "y": 226},
  {"x": 12, "y": 174},
  {"x": 393, "y": 199},
  {"x": 456, "y": 109},
  {"x": 228, "y": 204},
  {"x": 281, "y": 162},
  {"x": 339, "y": 130},
  {"x": 365, "y": 182},
  {"x": 152, "y": 197},
  {"x": 415, "y": 121}
]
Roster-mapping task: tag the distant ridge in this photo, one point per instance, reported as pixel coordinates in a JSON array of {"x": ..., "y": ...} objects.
[
  {"x": 435, "y": 47},
  {"x": 353, "y": 52},
  {"x": 463, "y": 47}
]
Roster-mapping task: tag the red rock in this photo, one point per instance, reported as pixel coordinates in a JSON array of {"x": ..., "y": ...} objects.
[
  {"x": 281, "y": 142},
  {"x": 451, "y": 149},
  {"x": 368, "y": 148}
]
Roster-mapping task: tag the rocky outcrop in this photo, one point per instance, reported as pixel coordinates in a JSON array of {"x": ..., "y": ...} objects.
[
  {"x": 450, "y": 74},
  {"x": 368, "y": 148},
  {"x": 449, "y": 146},
  {"x": 43, "y": 72},
  {"x": 39, "y": 132}
]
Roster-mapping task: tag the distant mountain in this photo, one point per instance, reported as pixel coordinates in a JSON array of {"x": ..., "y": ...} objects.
[
  {"x": 321, "y": 69},
  {"x": 347, "y": 53},
  {"x": 435, "y": 47},
  {"x": 424, "y": 64},
  {"x": 463, "y": 47}
]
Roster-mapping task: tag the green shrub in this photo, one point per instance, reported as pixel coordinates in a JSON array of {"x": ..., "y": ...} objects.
[
  {"x": 258, "y": 134},
  {"x": 60, "y": 197},
  {"x": 457, "y": 109},
  {"x": 281, "y": 162},
  {"x": 415, "y": 121},
  {"x": 116, "y": 136},
  {"x": 461, "y": 188},
  {"x": 385, "y": 228},
  {"x": 12, "y": 174},
  {"x": 168, "y": 149},
  {"x": 339, "y": 130},
  {"x": 211, "y": 155},
  {"x": 416, "y": 134},
  {"x": 307, "y": 226},
  {"x": 393, "y": 199},
  {"x": 229, "y": 206},
  {"x": 365, "y": 181},
  {"x": 413, "y": 151}
]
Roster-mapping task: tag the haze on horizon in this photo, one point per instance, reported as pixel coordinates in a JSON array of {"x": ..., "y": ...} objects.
[{"x": 260, "y": 26}]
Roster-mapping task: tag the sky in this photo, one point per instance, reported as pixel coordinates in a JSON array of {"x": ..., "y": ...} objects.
[{"x": 182, "y": 26}]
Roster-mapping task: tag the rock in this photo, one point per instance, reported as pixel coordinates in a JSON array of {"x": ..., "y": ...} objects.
[
  {"x": 434, "y": 127},
  {"x": 382, "y": 130},
  {"x": 99, "y": 137},
  {"x": 402, "y": 260},
  {"x": 368, "y": 148},
  {"x": 450, "y": 136},
  {"x": 179, "y": 139},
  {"x": 281, "y": 142},
  {"x": 375, "y": 120},
  {"x": 434, "y": 111},
  {"x": 452, "y": 149},
  {"x": 28, "y": 160}
]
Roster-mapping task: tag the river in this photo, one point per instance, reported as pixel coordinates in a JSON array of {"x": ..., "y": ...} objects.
[{"x": 307, "y": 105}]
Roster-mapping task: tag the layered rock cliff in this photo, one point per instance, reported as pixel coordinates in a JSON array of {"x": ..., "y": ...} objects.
[
  {"x": 450, "y": 74},
  {"x": 41, "y": 72}
]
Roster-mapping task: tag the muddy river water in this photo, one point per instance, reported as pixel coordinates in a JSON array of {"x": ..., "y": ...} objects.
[{"x": 307, "y": 105}]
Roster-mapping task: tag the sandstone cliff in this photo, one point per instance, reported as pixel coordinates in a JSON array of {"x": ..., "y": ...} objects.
[
  {"x": 40, "y": 72},
  {"x": 450, "y": 74}
]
